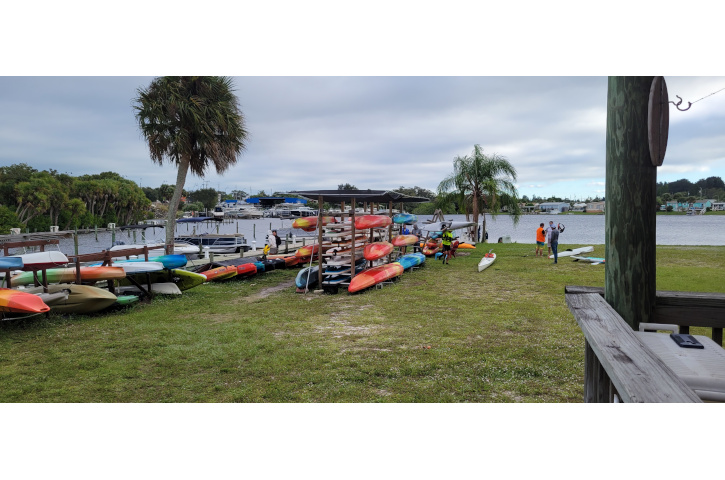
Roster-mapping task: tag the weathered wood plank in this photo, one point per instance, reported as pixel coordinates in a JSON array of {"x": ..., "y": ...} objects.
[{"x": 635, "y": 371}]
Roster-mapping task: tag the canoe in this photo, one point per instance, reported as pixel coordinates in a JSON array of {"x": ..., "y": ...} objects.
[
  {"x": 573, "y": 251},
  {"x": 377, "y": 250},
  {"x": 486, "y": 261},
  {"x": 437, "y": 226},
  {"x": 411, "y": 260},
  {"x": 372, "y": 221},
  {"x": 68, "y": 275},
  {"x": 246, "y": 270},
  {"x": 310, "y": 223},
  {"x": 162, "y": 288},
  {"x": 43, "y": 260},
  {"x": 405, "y": 240},
  {"x": 182, "y": 278},
  {"x": 307, "y": 277},
  {"x": 592, "y": 260},
  {"x": 14, "y": 301},
  {"x": 11, "y": 263},
  {"x": 405, "y": 218},
  {"x": 220, "y": 273},
  {"x": 373, "y": 276},
  {"x": 81, "y": 299},
  {"x": 168, "y": 261}
]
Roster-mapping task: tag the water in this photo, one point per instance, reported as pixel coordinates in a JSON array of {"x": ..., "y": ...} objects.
[{"x": 580, "y": 229}]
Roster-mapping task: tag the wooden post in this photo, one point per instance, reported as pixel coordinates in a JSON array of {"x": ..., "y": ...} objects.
[
  {"x": 352, "y": 243},
  {"x": 319, "y": 239},
  {"x": 390, "y": 228},
  {"x": 630, "y": 283}
]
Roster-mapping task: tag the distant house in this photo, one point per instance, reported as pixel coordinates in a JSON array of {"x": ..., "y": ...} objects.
[
  {"x": 595, "y": 207},
  {"x": 718, "y": 206},
  {"x": 550, "y": 206},
  {"x": 579, "y": 207}
]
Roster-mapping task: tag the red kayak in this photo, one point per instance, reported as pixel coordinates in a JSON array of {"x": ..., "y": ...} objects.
[
  {"x": 307, "y": 251},
  {"x": 428, "y": 251},
  {"x": 246, "y": 270},
  {"x": 372, "y": 221},
  {"x": 405, "y": 240},
  {"x": 377, "y": 250},
  {"x": 13, "y": 301},
  {"x": 220, "y": 273},
  {"x": 373, "y": 276}
]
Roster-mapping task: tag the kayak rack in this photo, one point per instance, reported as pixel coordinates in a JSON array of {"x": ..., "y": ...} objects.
[
  {"x": 30, "y": 243},
  {"x": 107, "y": 258}
]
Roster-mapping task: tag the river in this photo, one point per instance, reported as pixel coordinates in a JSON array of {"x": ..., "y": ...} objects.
[{"x": 580, "y": 229}]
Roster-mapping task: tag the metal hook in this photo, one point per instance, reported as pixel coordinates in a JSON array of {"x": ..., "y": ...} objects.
[{"x": 689, "y": 104}]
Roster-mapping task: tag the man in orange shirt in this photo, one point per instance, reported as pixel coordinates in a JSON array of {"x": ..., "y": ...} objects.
[{"x": 540, "y": 240}]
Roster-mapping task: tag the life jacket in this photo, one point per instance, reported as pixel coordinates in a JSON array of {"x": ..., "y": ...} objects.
[{"x": 447, "y": 237}]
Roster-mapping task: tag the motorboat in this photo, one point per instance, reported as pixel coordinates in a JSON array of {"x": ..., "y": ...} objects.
[{"x": 216, "y": 242}]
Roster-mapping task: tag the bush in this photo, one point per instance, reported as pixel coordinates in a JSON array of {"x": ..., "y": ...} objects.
[{"x": 8, "y": 220}]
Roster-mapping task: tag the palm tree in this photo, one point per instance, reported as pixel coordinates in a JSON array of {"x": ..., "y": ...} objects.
[
  {"x": 485, "y": 182},
  {"x": 193, "y": 122}
]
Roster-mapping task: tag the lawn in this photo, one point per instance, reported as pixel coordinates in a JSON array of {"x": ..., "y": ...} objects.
[{"x": 442, "y": 333}]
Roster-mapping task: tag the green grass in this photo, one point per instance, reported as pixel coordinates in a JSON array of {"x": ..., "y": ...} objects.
[{"x": 503, "y": 335}]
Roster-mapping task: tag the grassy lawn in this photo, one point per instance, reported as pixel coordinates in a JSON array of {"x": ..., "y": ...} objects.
[{"x": 438, "y": 334}]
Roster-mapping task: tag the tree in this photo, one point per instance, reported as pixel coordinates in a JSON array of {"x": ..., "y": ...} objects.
[
  {"x": 346, "y": 186},
  {"x": 205, "y": 196},
  {"x": 484, "y": 183},
  {"x": 194, "y": 123}
]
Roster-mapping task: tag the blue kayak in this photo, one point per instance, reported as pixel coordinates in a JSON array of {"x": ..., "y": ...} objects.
[
  {"x": 307, "y": 273},
  {"x": 405, "y": 218},
  {"x": 169, "y": 261},
  {"x": 411, "y": 260},
  {"x": 11, "y": 263}
]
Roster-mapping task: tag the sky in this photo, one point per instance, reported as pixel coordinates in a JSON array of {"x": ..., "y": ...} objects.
[{"x": 378, "y": 132}]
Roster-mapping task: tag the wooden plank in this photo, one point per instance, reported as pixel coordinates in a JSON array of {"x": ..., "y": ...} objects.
[{"x": 635, "y": 371}]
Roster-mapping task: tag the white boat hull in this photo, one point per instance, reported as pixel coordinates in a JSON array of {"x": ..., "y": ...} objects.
[
  {"x": 575, "y": 251},
  {"x": 486, "y": 262}
]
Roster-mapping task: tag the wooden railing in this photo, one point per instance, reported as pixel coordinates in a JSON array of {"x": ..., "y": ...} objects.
[
  {"x": 685, "y": 309},
  {"x": 617, "y": 364}
]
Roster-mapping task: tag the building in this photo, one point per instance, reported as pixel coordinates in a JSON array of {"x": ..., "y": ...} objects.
[
  {"x": 548, "y": 207},
  {"x": 595, "y": 207}
]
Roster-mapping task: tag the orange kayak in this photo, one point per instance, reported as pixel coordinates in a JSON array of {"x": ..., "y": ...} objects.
[
  {"x": 246, "y": 270},
  {"x": 428, "y": 251},
  {"x": 373, "y": 276},
  {"x": 13, "y": 301},
  {"x": 404, "y": 240},
  {"x": 220, "y": 273},
  {"x": 465, "y": 245},
  {"x": 68, "y": 275},
  {"x": 310, "y": 223},
  {"x": 377, "y": 250},
  {"x": 307, "y": 250},
  {"x": 372, "y": 221},
  {"x": 289, "y": 260}
]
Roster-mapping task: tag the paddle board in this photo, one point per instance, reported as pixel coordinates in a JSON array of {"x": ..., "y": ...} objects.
[
  {"x": 372, "y": 276},
  {"x": 573, "y": 251}
]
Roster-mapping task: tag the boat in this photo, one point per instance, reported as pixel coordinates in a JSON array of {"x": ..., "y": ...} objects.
[
  {"x": 373, "y": 276},
  {"x": 573, "y": 251},
  {"x": 15, "y": 301},
  {"x": 218, "y": 213},
  {"x": 372, "y": 221},
  {"x": 592, "y": 260},
  {"x": 217, "y": 242},
  {"x": 42, "y": 260},
  {"x": 486, "y": 261},
  {"x": 68, "y": 275},
  {"x": 81, "y": 299},
  {"x": 377, "y": 250}
]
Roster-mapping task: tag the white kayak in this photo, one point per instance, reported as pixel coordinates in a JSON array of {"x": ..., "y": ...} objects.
[
  {"x": 43, "y": 260},
  {"x": 164, "y": 288},
  {"x": 139, "y": 267},
  {"x": 573, "y": 251},
  {"x": 156, "y": 249},
  {"x": 437, "y": 226},
  {"x": 486, "y": 261}
]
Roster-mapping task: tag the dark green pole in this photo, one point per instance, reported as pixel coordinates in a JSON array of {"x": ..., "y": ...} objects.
[{"x": 630, "y": 194}]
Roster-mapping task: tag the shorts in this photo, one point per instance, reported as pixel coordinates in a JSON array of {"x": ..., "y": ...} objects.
[
  {"x": 446, "y": 248},
  {"x": 540, "y": 244}
]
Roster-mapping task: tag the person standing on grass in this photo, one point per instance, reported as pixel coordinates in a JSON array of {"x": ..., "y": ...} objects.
[
  {"x": 446, "y": 240},
  {"x": 548, "y": 236},
  {"x": 554, "y": 237},
  {"x": 540, "y": 240}
]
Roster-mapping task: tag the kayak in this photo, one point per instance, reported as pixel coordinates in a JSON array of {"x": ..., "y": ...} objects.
[
  {"x": 377, "y": 250},
  {"x": 163, "y": 288},
  {"x": 168, "y": 261},
  {"x": 81, "y": 298},
  {"x": 373, "y": 276},
  {"x": 410, "y": 260},
  {"x": 11, "y": 263},
  {"x": 372, "y": 221},
  {"x": 43, "y": 260},
  {"x": 14, "y": 301},
  {"x": 309, "y": 224},
  {"x": 573, "y": 251},
  {"x": 486, "y": 261},
  {"x": 592, "y": 260},
  {"x": 465, "y": 245},
  {"x": 140, "y": 267},
  {"x": 68, "y": 275},
  {"x": 182, "y": 278},
  {"x": 220, "y": 273},
  {"x": 246, "y": 270},
  {"x": 307, "y": 277},
  {"x": 405, "y": 218},
  {"x": 405, "y": 240}
]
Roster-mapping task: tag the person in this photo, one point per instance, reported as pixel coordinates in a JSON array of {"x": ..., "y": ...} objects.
[
  {"x": 554, "y": 236},
  {"x": 540, "y": 240},
  {"x": 405, "y": 231},
  {"x": 417, "y": 233},
  {"x": 446, "y": 240},
  {"x": 274, "y": 242},
  {"x": 548, "y": 236}
]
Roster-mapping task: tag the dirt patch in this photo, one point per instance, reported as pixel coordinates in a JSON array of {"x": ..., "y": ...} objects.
[{"x": 266, "y": 292}]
